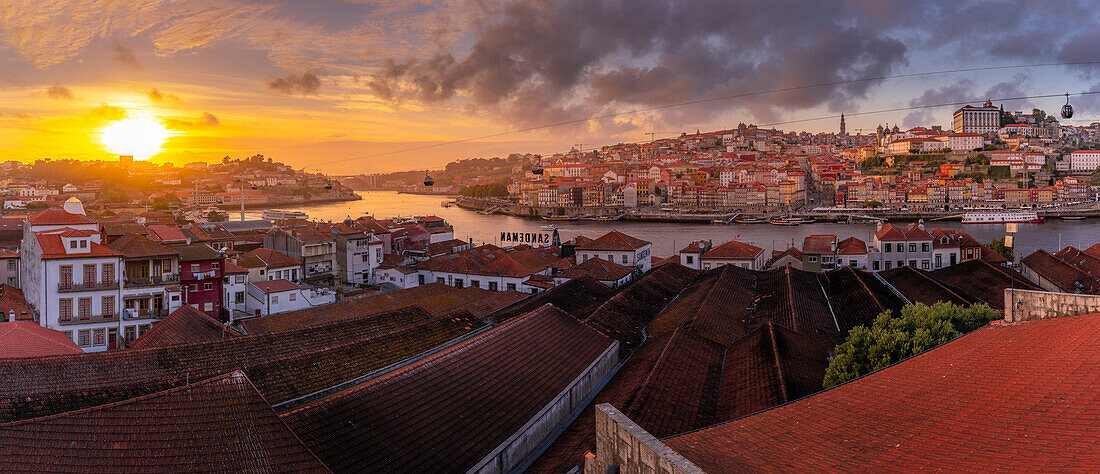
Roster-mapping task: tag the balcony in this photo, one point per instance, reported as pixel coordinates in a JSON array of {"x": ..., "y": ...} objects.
[
  {"x": 131, "y": 314},
  {"x": 87, "y": 286},
  {"x": 89, "y": 319},
  {"x": 159, "y": 280}
]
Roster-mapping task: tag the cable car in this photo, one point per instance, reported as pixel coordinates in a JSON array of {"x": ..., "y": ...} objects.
[
  {"x": 428, "y": 181},
  {"x": 537, "y": 169},
  {"x": 1067, "y": 110}
]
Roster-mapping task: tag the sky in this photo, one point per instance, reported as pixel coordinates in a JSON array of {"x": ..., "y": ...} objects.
[{"x": 360, "y": 86}]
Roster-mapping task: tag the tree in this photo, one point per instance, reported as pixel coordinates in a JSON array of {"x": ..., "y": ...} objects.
[
  {"x": 37, "y": 205},
  {"x": 890, "y": 340},
  {"x": 998, "y": 245},
  {"x": 873, "y": 204},
  {"x": 213, "y": 216},
  {"x": 999, "y": 172},
  {"x": 1094, "y": 177},
  {"x": 115, "y": 196}
]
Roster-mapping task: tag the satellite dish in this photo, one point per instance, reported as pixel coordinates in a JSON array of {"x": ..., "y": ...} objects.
[{"x": 1067, "y": 110}]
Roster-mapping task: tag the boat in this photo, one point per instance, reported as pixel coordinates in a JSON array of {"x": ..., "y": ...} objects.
[
  {"x": 749, "y": 220},
  {"x": 1073, "y": 218},
  {"x": 604, "y": 219},
  {"x": 1001, "y": 217},
  {"x": 549, "y": 227},
  {"x": 279, "y": 215},
  {"x": 787, "y": 220},
  {"x": 447, "y": 203},
  {"x": 559, "y": 218}
]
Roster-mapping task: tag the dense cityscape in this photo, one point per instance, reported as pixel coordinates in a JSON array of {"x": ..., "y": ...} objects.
[{"x": 363, "y": 237}]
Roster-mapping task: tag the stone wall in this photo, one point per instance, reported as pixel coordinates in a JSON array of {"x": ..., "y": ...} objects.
[
  {"x": 624, "y": 444},
  {"x": 1026, "y": 305}
]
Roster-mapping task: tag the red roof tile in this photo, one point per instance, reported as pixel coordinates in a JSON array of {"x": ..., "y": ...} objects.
[
  {"x": 166, "y": 233},
  {"x": 220, "y": 424},
  {"x": 268, "y": 258},
  {"x": 1066, "y": 277},
  {"x": 59, "y": 217},
  {"x": 29, "y": 339},
  {"x": 615, "y": 241},
  {"x": 12, "y": 301},
  {"x": 185, "y": 325},
  {"x": 138, "y": 246},
  {"x": 983, "y": 280},
  {"x": 54, "y": 248},
  {"x": 733, "y": 250},
  {"x": 851, "y": 246},
  {"x": 819, "y": 244},
  {"x": 1037, "y": 412},
  {"x": 447, "y": 412},
  {"x": 599, "y": 269}
]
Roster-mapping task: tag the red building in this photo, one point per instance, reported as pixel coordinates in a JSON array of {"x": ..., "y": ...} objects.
[{"x": 201, "y": 278}]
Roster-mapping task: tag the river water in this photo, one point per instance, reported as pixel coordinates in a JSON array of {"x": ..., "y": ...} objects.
[{"x": 668, "y": 238}]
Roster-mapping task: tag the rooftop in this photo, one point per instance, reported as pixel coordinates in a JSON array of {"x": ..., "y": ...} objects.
[
  {"x": 185, "y": 325},
  {"x": 614, "y": 241},
  {"x": 30, "y": 339}
]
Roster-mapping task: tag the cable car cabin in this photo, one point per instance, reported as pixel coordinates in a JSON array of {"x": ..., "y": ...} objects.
[
  {"x": 428, "y": 181},
  {"x": 1067, "y": 110},
  {"x": 537, "y": 169}
]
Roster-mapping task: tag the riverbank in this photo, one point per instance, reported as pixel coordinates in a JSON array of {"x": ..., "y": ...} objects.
[{"x": 278, "y": 204}]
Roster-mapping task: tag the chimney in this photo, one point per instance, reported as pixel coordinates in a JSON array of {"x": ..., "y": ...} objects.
[{"x": 11, "y": 315}]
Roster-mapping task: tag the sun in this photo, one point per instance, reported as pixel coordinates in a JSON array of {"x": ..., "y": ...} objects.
[{"x": 138, "y": 136}]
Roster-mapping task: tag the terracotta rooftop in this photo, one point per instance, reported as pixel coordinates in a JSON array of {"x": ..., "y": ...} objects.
[
  {"x": 54, "y": 248},
  {"x": 30, "y": 339},
  {"x": 922, "y": 287},
  {"x": 578, "y": 297},
  {"x": 1066, "y": 277},
  {"x": 166, "y": 233},
  {"x": 983, "y": 280},
  {"x": 614, "y": 241},
  {"x": 857, "y": 297},
  {"x": 819, "y": 244},
  {"x": 197, "y": 252},
  {"x": 269, "y": 258},
  {"x": 597, "y": 268},
  {"x": 13, "y": 301},
  {"x": 185, "y": 325},
  {"x": 122, "y": 228},
  {"x": 1080, "y": 260},
  {"x": 901, "y": 417},
  {"x": 430, "y": 416},
  {"x": 138, "y": 246},
  {"x": 58, "y": 217},
  {"x": 733, "y": 250},
  {"x": 625, "y": 315},
  {"x": 217, "y": 424},
  {"x": 851, "y": 246}
]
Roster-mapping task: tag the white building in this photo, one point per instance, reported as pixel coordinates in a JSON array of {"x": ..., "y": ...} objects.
[
  {"x": 970, "y": 119},
  {"x": 72, "y": 281},
  {"x": 402, "y": 277},
  {"x": 267, "y": 264},
  {"x": 9, "y": 267},
  {"x": 734, "y": 253},
  {"x": 358, "y": 253},
  {"x": 150, "y": 281},
  {"x": 620, "y": 248},
  {"x": 278, "y": 296},
  {"x": 1084, "y": 160},
  {"x": 234, "y": 288},
  {"x": 962, "y": 141}
]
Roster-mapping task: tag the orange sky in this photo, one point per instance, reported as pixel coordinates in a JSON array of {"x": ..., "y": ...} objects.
[{"x": 330, "y": 84}]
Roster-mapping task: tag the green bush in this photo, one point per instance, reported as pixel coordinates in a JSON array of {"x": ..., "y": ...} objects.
[{"x": 999, "y": 172}]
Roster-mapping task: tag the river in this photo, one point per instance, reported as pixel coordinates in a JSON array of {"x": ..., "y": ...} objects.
[{"x": 668, "y": 238}]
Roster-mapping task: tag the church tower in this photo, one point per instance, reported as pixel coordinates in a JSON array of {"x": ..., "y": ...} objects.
[{"x": 842, "y": 130}]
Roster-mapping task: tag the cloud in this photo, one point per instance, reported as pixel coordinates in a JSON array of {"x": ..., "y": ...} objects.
[
  {"x": 59, "y": 92},
  {"x": 124, "y": 55},
  {"x": 305, "y": 83},
  {"x": 156, "y": 95},
  {"x": 107, "y": 113},
  {"x": 209, "y": 119},
  {"x": 534, "y": 61}
]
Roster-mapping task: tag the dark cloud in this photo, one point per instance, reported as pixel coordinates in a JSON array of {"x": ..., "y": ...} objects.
[
  {"x": 209, "y": 119},
  {"x": 59, "y": 92},
  {"x": 156, "y": 95},
  {"x": 532, "y": 61},
  {"x": 963, "y": 90},
  {"x": 124, "y": 55},
  {"x": 305, "y": 83}
]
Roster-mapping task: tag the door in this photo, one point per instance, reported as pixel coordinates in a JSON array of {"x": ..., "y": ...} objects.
[{"x": 112, "y": 338}]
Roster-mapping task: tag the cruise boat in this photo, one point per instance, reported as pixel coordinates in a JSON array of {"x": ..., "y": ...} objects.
[
  {"x": 559, "y": 218},
  {"x": 1000, "y": 217},
  {"x": 788, "y": 221},
  {"x": 277, "y": 215},
  {"x": 749, "y": 220}
]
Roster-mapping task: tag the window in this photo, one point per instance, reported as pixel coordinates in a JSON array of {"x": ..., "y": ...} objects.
[
  {"x": 275, "y": 299},
  {"x": 194, "y": 268},
  {"x": 83, "y": 244},
  {"x": 420, "y": 279},
  {"x": 65, "y": 276},
  {"x": 262, "y": 272},
  {"x": 440, "y": 280},
  {"x": 68, "y": 335},
  {"x": 901, "y": 263},
  {"x": 142, "y": 329},
  {"x": 813, "y": 259},
  {"x": 215, "y": 265},
  {"x": 194, "y": 287},
  {"x": 209, "y": 307},
  {"x": 888, "y": 265},
  {"x": 84, "y": 338},
  {"x": 924, "y": 247},
  {"x": 108, "y": 306},
  {"x": 475, "y": 283},
  {"x": 238, "y": 279},
  {"x": 11, "y": 266},
  {"x": 84, "y": 308},
  {"x": 129, "y": 333},
  {"x": 924, "y": 264},
  {"x": 89, "y": 274},
  {"x": 99, "y": 336},
  {"x": 690, "y": 259},
  {"x": 912, "y": 246},
  {"x": 492, "y": 286},
  {"x": 874, "y": 265},
  {"x": 208, "y": 286},
  {"x": 939, "y": 260},
  {"x": 365, "y": 257},
  {"x": 65, "y": 309},
  {"x": 293, "y": 297},
  {"x": 108, "y": 272},
  {"x": 624, "y": 260},
  {"x": 458, "y": 283},
  {"x": 511, "y": 286},
  {"x": 72, "y": 244},
  {"x": 238, "y": 297},
  {"x": 886, "y": 247},
  {"x": 913, "y": 263}
]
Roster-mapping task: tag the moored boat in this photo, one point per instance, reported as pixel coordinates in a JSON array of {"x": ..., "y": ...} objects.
[
  {"x": 1001, "y": 217},
  {"x": 559, "y": 218}
]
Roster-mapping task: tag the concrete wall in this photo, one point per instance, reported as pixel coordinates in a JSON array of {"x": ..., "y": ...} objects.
[
  {"x": 621, "y": 442},
  {"x": 514, "y": 452},
  {"x": 1025, "y": 305}
]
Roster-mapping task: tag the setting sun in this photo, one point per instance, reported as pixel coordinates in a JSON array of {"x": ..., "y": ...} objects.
[{"x": 141, "y": 137}]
